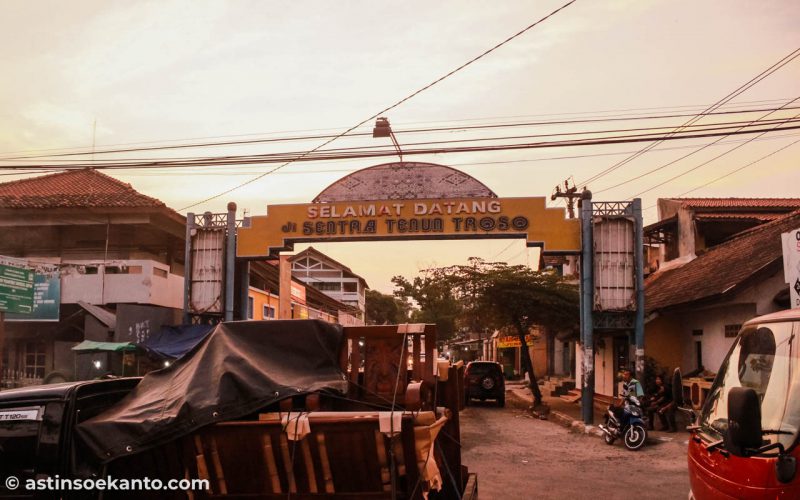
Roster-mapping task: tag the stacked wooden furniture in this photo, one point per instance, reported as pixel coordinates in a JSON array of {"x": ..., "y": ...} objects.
[{"x": 345, "y": 453}]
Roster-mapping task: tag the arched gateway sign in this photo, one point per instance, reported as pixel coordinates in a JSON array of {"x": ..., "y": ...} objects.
[
  {"x": 408, "y": 201},
  {"x": 424, "y": 201}
]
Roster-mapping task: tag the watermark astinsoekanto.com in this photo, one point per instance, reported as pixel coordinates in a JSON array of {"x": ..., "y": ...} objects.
[{"x": 108, "y": 483}]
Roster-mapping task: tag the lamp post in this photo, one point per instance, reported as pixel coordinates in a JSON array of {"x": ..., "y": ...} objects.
[{"x": 383, "y": 129}]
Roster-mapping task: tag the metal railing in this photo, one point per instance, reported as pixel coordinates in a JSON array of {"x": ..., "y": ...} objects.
[{"x": 17, "y": 378}]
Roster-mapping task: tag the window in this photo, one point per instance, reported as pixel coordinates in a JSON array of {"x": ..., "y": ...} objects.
[
  {"x": 732, "y": 330},
  {"x": 697, "y": 333},
  {"x": 123, "y": 269},
  {"x": 351, "y": 287},
  {"x": 157, "y": 271},
  {"x": 35, "y": 356},
  {"x": 249, "y": 307},
  {"x": 327, "y": 286},
  {"x": 269, "y": 312}
]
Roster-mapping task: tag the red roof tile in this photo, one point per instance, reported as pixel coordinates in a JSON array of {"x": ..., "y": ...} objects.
[
  {"x": 722, "y": 268},
  {"x": 759, "y": 216},
  {"x": 739, "y": 202},
  {"x": 86, "y": 188}
]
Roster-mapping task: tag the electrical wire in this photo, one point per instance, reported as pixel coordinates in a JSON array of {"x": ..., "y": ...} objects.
[
  {"x": 704, "y": 127},
  {"x": 651, "y": 171},
  {"x": 587, "y": 114},
  {"x": 396, "y": 104},
  {"x": 735, "y": 171},
  {"x": 732, "y": 95},
  {"x": 202, "y": 171},
  {"x": 370, "y": 152},
  {"x": 399, "y": 132},
  {"x": 695, "y": 167}
]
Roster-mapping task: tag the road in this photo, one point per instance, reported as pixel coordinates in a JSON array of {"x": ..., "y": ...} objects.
[{"x": 517, "y": 456}]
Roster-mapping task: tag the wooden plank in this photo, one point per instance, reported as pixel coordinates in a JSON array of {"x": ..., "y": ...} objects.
[
  {"x": 380, "y": 448},
  {"x": 222, "y": 485},
  {"x": 288, "y": 465},
  {"x": 309, "y": 464},
  {"x": 471, "y": 488},
  {"x": 430, "y": 344},
  {"x": 416, "y": 357},
  {"x": 200, "y": 458},
  {"x": 325, "y": 465},
  {"x": 355, "y": 362},
  {"x": 272, "y": 467},
  {"x": 449, "y": 444},
  {"x": 410, "y": 459},
  {"x": 383, "y": 357}
]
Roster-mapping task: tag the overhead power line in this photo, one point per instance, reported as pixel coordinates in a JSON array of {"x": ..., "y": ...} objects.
[
  {"x": 389, "y": 108},
  {"x": 702, "y": 164},
  {"x": 355, "y": 153},
  {"x": 733, "y": 172},
  {"x": 205, "y": 171},
  {"x": 732, "y": 95},
  {"x": 605, "y": 113},
  {"x": 704, "y": 127},
  {"x": 654, "y": 170},
  {"x": 364, "y": 134}
]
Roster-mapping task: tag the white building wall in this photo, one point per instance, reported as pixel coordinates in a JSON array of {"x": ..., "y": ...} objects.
[
  {"x": 749, "y": 303},
  {"x": 604, "y": 376},
  {"x": 154, "y": 285}
]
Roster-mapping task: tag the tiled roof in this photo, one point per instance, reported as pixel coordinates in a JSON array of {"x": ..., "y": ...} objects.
[
  {"x": 758, "y": 216},
  {"x": 86, "y": 188},
  {"x": 792, "y": 203},
  {"x": 722, "y": 268}
]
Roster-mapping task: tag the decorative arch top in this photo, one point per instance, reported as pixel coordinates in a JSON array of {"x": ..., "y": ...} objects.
[{"x": 404, "y": 181}]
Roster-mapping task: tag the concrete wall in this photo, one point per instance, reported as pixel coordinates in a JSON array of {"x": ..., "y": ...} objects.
[
  {"x": 604, "y": 374},
  {"x": 261, "y": 299},
  {"x": 146, "y": 282},
  {"x": 135, "y": 323},
  {"x": 664, "y": 339},
  {"x": 669, "y": 337}
]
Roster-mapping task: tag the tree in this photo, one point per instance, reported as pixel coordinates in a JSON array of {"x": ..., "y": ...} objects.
[
  {"x": 437, "y": 302},
  {"x": 499, "y": 296},
  {"x": 521, "y": 298},
  {"x": 382, "y": 309}
]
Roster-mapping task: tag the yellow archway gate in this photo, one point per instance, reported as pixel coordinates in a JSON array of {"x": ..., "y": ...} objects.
[{"x": 408, "y": 201}]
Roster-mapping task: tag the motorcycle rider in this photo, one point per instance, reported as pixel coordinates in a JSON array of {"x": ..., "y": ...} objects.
[{"x": 631, "y": 392}]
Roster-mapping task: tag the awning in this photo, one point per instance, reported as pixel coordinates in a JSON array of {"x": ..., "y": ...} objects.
[
  {"x": 92, "y": 346},
  {"x": 175, "y": 341}
]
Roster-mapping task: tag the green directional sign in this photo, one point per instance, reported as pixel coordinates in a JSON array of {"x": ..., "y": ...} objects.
[{"x": 16, "y": 290}]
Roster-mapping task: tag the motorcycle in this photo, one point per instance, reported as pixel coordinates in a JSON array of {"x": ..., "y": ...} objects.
[{"x": 632, "y": 427}]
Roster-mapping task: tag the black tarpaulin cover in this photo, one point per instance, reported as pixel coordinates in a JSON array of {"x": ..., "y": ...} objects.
[{"x": 236, "y": 370}]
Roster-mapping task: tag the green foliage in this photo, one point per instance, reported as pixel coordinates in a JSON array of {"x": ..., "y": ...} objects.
[
  {"x": 382, "y": 309},
  {"x": 437, "y": 303},
  {"x": 492, "y": 295}
]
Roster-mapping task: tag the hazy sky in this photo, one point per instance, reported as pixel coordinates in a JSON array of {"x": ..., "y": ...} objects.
[{"x": 175, "y": 70}]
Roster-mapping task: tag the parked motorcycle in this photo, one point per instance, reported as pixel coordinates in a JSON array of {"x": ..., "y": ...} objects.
[{"x": 632, "y": 427}]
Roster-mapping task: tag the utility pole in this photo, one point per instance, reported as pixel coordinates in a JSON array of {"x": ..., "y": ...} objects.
[{"x": 570, "y": 193}]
